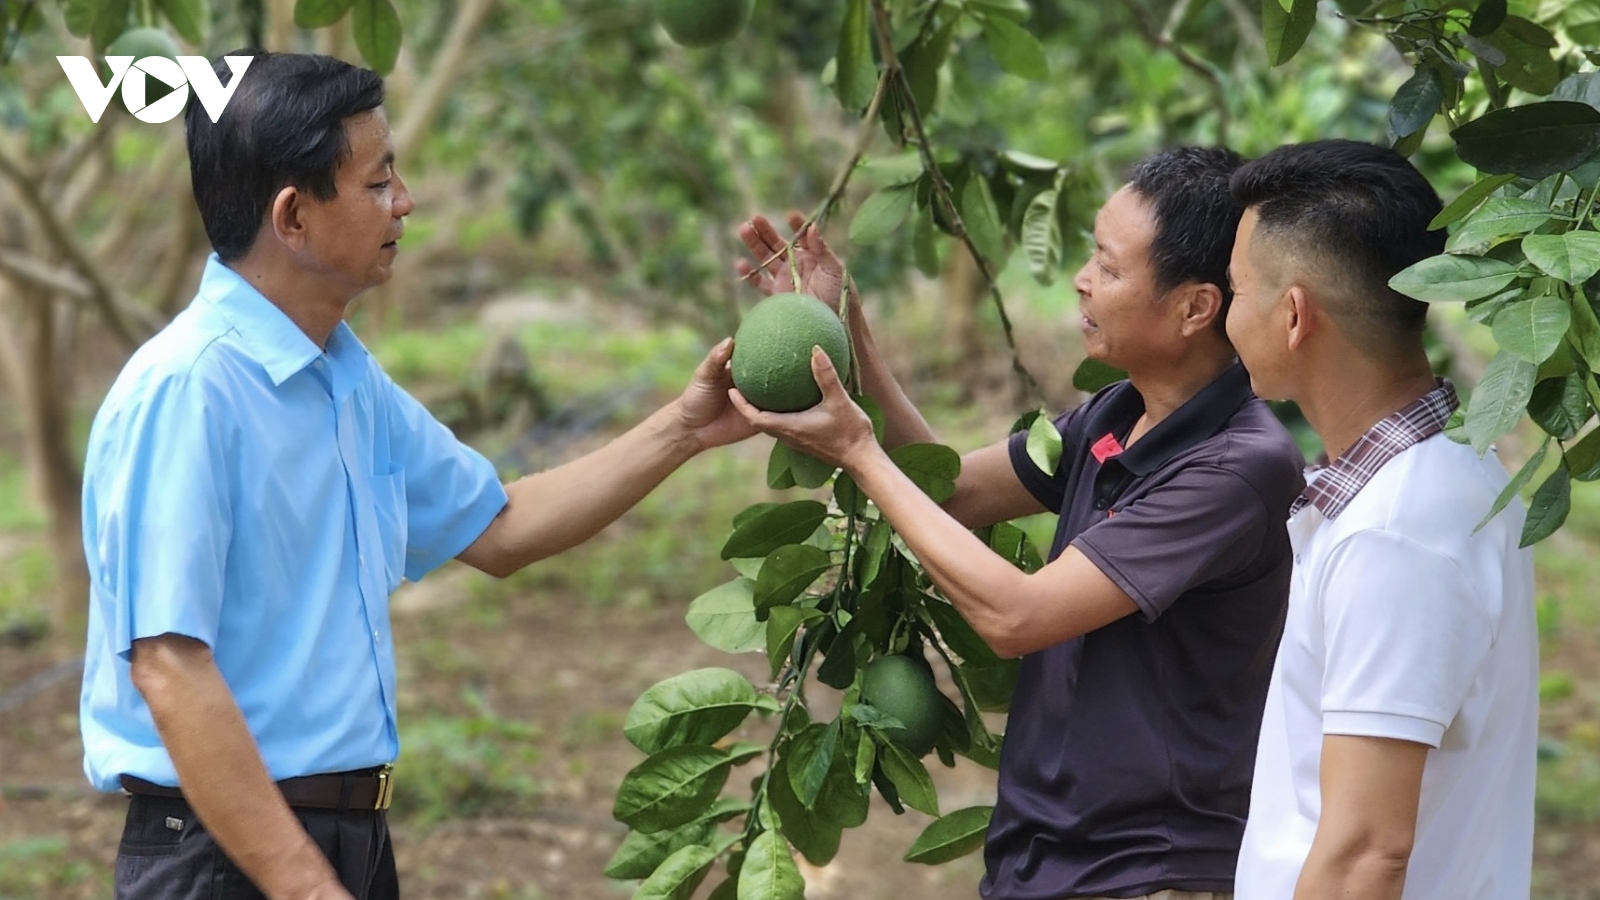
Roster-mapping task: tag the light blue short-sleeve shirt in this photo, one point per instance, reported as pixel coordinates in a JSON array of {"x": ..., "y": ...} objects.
[{"x": 244, "y": 488}]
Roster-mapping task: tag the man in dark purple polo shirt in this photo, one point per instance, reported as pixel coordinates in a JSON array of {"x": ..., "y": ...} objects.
[{"x": 1147, "y": 640}]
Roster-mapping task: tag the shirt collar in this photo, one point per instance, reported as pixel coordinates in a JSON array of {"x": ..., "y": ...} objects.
[
  {"x": 1200, "y": 417},
  {"x": 270, "y": 336},
  {"x": 1338, "y": 483}
]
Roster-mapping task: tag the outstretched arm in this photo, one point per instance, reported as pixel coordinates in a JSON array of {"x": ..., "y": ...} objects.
[
  {"x": 555, "y": 510},
  {"x": 1014, "y": 612}
]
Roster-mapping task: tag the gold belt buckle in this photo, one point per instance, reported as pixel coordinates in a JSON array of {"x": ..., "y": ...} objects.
[{"x": 385, "y": 787}]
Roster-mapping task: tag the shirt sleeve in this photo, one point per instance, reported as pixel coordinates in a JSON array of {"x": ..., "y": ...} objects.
[
  {"x": 1204, "y": 523},
  {"x": 1405, "y": 632},
  {"x": 158, "y": 512},
  {"x": 452, "y": 491}
]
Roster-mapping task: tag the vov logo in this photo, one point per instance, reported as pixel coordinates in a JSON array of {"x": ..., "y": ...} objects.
[{"x": 181, "y": 74}]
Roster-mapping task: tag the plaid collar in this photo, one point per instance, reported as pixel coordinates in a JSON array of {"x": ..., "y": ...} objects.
[{"x": 1337, "y": 484}]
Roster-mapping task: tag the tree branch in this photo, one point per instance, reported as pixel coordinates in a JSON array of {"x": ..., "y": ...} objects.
[
  {"x": 941, "y": 188},
  {"x": 447, "y": 66},
  {"x": 101, "y": 295},
  {"x": 1162, "y": 40}
]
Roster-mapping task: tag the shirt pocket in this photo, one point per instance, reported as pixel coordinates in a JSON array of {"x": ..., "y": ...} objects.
[{"x": 389, "y": 507}]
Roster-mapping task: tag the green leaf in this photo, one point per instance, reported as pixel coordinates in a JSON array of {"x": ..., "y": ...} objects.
[
  {"x": 1416, "y": 102},
  {"x": 1534, "y": 141},
  {"x": 695, "y": 707},
  {"x": 1560, "y": 406},
  {"x": 1286, "y": 31},
  {"x": 79, "y": 16},
  {"x": 1092, "y": 375},
  {"x": 788, "y": 571},
  {"x": 1501, "y": 216},
  {"x": 671, "y": 788},
  {"x": 1469, "y": 199},
  {"x": 1515, "y": 485},
  {"x": 1448, "y": 278},
  {"x": 1486, "y": 19},
  {"x": 1583, "y": 458},
  {"x": 788, "y": 523},
  {"x": 810, "y": 757},
  {"x": 188, "y": 17},
  {"x": 1499, "y": 400},
  {"x": 882, "y": 213},
  {"x": 1583, "y": 87},
  {"x": 982, "y": 218},
  {"x": 958, "y": 635},
  {"x": 1585, "y": 335},
  {"x": 725, "y": 618},
  {"x": 951, "y": 837},
  {"x": 678, "y": 875},
  {"x": 855, "y": 75},
  {"x": 932, "y": 467},
  {"x": 375, "y": 26},
  {"x": 769, "y": 872},
  {"x": 110, "y": 21},
  {"x": 1017, "y": 10},
  {"x": 642, "y": 854},
  {"x": 783, "y": 624},
  {"x": 1549, "y": 507},
  {"x": 1017, "y": 51},
  {"x": 924, "y": 244},
  {"x": 780, "y": 467},
  {"x": 1529, "y": 32},
  {"x": 921, "y": 63},
  {"x": 910, "y": 778},
  {"x": 872, "y": 554},
  {"x": 1041, "y": 236},
  {"x": 1581, "y": 21},
  {"x": 1573, "y": 257},
  {"x": 808, "y": 471},
  {"x": 815, "y": 835},
  {"x": 1044, "y": 444},
  {"x": 1533, "y": 329},
  {"x": 313, "y": 14}
]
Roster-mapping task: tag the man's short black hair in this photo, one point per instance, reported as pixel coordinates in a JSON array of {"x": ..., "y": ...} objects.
[
  {"x": 1196, "y": 216},
  {"x": 1360, "y": 210},
  {"x": 284, "y": 126}
]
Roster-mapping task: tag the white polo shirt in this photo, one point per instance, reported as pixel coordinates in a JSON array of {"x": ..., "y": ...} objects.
[{"x": 1403, "y": 623}]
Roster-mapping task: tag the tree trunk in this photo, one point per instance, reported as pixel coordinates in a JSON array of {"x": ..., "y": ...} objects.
[
  {"x": 42, "y": 386},
  {"x": 964, "y": 291}
]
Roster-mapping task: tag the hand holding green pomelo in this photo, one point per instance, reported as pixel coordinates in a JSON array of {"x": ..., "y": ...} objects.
[
  {"x": 772, "y": 351},
  {"x": 899, "y": 687},
  {"x": 703, "y": 23}
]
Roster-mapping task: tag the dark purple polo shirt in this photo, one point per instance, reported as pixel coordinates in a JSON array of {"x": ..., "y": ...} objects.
[{"x": 1128, "y": 751}]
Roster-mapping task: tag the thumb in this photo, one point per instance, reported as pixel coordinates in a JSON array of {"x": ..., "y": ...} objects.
[{"x": 827, "y": 377}]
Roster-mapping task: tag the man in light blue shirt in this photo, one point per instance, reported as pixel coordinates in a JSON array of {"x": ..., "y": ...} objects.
[{"x": 256, "y": 487}]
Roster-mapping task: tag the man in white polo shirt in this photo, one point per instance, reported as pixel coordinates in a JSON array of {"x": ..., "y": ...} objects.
[{"x": 1397, "y": 753}]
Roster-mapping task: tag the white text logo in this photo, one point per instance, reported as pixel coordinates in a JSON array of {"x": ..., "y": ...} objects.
[{"x": 187, "y": 72}]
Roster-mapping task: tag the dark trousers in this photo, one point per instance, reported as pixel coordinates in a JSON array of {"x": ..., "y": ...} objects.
[{"x": 166, "y": 854}]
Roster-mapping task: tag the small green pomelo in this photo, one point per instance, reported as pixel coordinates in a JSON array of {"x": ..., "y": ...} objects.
[
  {"x": 772, "y": 351},
  {"x": 142, "y": 42},
  {"x": 897, "y": 685},
  {"x": 703, "y": 23}
]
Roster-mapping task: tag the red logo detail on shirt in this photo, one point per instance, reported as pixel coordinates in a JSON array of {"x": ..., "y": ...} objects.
[{"x": 1106, "y": 448}]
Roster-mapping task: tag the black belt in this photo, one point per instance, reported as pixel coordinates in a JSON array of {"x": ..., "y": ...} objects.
[{"x": 362, "y": 789}]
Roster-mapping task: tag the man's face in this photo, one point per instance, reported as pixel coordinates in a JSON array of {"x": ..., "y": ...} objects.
[
  {"x": 1123, "y": 322},
  {"x": 351, "y": 239},
  {"x": 1255, "y": 319}
]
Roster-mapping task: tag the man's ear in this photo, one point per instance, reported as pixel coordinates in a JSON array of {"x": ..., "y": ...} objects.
[
  {"x": 1301, "y": 314},
  {"x": 1200, "y": 304},
  {"x": 285, "y": 219}
]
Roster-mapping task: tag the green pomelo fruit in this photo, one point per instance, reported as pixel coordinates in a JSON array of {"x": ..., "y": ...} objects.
[
  {"x": 142, "y": 42},
  {"x": 900, "y": 687},
  {"x": 703, "y": 23},
  {"x": 772, "y": 351}
]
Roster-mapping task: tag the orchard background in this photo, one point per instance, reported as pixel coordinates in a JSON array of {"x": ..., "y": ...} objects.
[{"x": 579, "y": 176}]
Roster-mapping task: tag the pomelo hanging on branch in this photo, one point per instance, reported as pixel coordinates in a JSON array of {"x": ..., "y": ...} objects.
[
  {"x": 772, "y": 351},
  {"x": 703, "y": 23}
]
